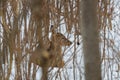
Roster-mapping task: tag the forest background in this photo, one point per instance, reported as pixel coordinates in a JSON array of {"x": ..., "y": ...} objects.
[{"x": 20, "y": 30}]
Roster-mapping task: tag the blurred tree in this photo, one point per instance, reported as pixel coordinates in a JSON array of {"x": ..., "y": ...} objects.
[
  {"x": 41, "y": 54},
  {"x": 90, "y": 35}
]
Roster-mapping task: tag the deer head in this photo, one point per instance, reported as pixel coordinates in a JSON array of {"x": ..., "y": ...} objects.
[{"x": 60, "y": 39}]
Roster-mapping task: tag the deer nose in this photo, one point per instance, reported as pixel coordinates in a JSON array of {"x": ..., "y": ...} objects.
[{"x": 69, "y": 43}]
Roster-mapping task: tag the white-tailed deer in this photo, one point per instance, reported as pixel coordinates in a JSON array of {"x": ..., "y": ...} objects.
[
  {"x": 52, "y": 57},
  {"x": 57, "y": 41}
]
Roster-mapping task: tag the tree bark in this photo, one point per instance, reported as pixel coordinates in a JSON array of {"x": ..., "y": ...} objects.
[{"x": 90, "y": 35}]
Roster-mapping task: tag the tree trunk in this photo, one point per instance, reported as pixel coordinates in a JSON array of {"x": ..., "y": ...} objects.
[{"x": 90, "y": 35}]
